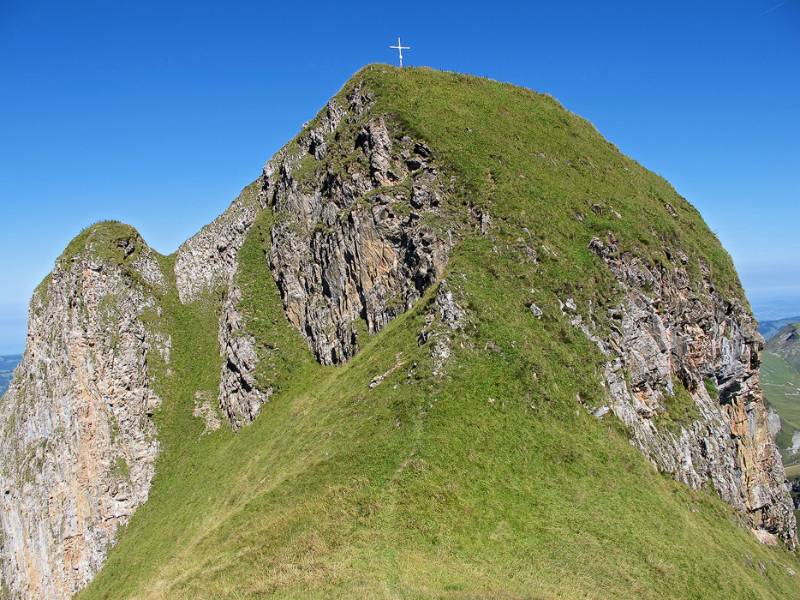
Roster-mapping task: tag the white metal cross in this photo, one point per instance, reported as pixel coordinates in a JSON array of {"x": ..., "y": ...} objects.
[{"x": 400, "y": 49}]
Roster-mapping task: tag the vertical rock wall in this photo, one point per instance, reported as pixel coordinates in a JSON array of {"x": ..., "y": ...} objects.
[
  {"x": 670, "y": 339},
  {"x": 77, "y": 442},
  {"x": 356, "y": 241},
  {"x": 206, "y": 264}
]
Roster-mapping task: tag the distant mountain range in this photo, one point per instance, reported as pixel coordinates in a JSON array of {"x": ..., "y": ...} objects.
[
  {"x": 7, "y": 365},
  {"x": 770, "y": 328}
]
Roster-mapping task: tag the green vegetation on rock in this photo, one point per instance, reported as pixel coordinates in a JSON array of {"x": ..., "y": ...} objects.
[
  {"x": 107, "y": 240},
  {"x": 681, "y": 408},
  {"x": 282, "y": 351}
]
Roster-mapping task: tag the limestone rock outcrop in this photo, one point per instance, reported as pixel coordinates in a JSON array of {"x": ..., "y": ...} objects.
[
  {"x": 77, "y": 442},
  {"x": 350, "y": 243},
  {"x": 207, "y": 261},
  {"x": 353, "y": 242},
  {"x": 442, "y": 322},
  {"x": 667, "y": 338},
  {"x": 239, "y": 396}
]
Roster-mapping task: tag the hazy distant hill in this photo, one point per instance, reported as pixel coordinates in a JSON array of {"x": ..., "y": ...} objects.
[
  {"x": 781, "y": 383},
  {"x": 786, "y": 344},
  {"x": 7, "y": 364},
  {"x": 780, "y": 377},
  {"x": 770, "y": 328}
]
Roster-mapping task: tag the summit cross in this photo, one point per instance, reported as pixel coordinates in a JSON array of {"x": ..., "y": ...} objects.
[{"x": 400, "y": 49}]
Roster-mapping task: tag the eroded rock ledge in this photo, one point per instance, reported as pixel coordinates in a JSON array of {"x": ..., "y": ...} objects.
[{"x": 668, "y": 339}]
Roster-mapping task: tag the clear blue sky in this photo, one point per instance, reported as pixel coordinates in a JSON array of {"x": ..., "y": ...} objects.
[{"x": 157, "y": 113}]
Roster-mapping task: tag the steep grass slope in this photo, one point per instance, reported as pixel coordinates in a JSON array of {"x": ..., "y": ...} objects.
[
  {"x": 782, "y": 390},
  {"x": 489, "y": 481}
]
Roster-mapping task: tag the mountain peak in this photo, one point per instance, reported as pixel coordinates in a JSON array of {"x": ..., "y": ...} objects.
[{"x": 447, "y": 332}]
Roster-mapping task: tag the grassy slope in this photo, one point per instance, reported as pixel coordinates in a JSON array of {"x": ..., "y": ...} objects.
[
  {"x": 781, "y": 383},
  {"x": 490, "y": 482}
]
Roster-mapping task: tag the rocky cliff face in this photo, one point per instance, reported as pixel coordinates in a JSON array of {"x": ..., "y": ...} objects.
[
  {"x": 206, "y": 264},
  {"x": 354, "y": 242},
  {"x": 77, "y": 443},
  {"x": 683, "y": 376},
  {"x": 207, "y": 261},
  {"x": 239, "y": 396}
]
